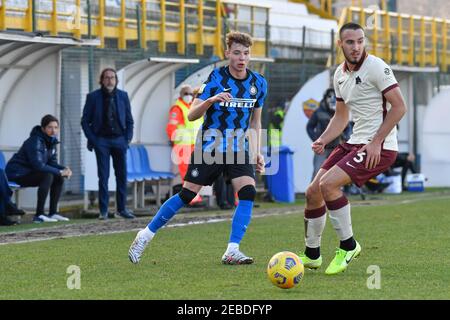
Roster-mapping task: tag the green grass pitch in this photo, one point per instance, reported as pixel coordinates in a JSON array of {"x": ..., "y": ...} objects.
[{"x": 406, "y": 238}]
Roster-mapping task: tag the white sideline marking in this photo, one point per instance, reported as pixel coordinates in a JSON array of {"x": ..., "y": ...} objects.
[
  {"x": 205, "y": 221},
  {"x": 172, "y": 225}
]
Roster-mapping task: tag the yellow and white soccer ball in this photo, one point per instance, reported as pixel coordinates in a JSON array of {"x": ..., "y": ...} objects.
[{"x": 285, "y": 270}]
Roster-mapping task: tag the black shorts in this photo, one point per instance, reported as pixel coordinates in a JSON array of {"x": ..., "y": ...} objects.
[{"x": 205, "y": 167}]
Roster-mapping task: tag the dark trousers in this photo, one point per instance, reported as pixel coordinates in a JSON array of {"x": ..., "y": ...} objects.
[
  {"x": 224, "y": 192},
  {"x": 117, "y": 149},
  {"x": 5, "y": 192},
  {"x": 45, "y": 182},
  {"x": 403, "y": 162}
]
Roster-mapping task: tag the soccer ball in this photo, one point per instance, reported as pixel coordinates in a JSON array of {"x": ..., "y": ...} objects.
[{"x": 285, "y": 270}]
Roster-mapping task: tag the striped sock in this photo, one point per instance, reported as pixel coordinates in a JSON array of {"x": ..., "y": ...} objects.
[
  {"x": 315, "y": 220},
  {"x": 341, "y": 220}
]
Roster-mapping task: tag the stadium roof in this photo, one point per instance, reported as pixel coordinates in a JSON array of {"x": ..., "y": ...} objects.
[{"x": 21, "y": 52}]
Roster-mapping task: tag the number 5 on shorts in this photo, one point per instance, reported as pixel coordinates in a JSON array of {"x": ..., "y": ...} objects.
[{"x": 359, "y": 157}]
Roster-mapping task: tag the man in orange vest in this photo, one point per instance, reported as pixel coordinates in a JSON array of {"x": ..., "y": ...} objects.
[{"x": 182, "y": 132}]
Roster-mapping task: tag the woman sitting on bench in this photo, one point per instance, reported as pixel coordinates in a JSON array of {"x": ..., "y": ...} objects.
[{"x": 36, "y": 165}]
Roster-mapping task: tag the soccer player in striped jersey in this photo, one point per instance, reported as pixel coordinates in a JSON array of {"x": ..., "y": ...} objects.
[
  {"x": 366, "y": 87},
  {"x": 230, "y": 101}
]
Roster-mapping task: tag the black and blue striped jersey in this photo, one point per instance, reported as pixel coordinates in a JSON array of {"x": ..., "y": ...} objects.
[{"x": 225, "y": 123}]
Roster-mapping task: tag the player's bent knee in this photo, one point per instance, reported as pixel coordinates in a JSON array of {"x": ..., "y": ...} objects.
[
  {"x": 323, "y": 185},
  {"x": 326, "y": 186},
  {"x": 247, "y": 192},
  {"x": 313, "y": 191},
  {"x": 187, "y": 195}
]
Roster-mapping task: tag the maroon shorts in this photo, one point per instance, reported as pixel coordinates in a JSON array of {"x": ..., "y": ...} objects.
[{"x": 346, "y": 157}]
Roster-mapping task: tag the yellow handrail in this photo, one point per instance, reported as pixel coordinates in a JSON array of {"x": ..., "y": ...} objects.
[
  {"x": 29, "y": 17},
  {"x": 400, "y": 42},
  {"x": 3, "y": 15},
  {"x": 122, "y": 39},
  {"x": 218, "y": 39},
  {"x": 178, "y": 22},
  {"x": 330, "y": 7},
  {"x": 387, "y": 36},
  {"x": 54, "y": 28},
  {"x": 77, "y": 19},
  {"x": 200, "y": 38},
  {"x": 444, "y": 46},
  {"x": 411, "y": 42},
  {"x": 433, "y": 43},
  {"x": 406, "y": 39},
  {"x": 101, "y": 22},
  {"x": 182, "y": 41},
  {"x": 324, "y": 10},
  {"x": 162, "y": 29},
  {"x": 422, "y": 42},
  {"x": 375, "y": 33},
  {"x": 143, "y": 24}
]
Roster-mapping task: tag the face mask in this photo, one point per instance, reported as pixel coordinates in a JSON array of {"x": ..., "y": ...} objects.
[
  {"x": 187, "y": 99},
  {"x": 332, "y": 102},
  {"x": 333, "y": 106}
]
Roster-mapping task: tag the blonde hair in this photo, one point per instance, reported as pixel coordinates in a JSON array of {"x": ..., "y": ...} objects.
[{"x": 240, "y": 38}]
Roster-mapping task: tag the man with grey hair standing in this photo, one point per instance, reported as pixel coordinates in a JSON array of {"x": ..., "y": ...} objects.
[{"x": 108, "y": 125}]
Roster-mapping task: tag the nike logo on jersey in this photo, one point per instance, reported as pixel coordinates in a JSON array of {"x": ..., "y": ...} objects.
[
  {"x": 227, "y": 90},
  {"x": 340, "y": 82},
  {"x": 238, "y": 103},
  {"x": 350, "y": 165}
]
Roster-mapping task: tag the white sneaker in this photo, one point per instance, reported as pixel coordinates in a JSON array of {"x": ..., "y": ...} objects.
[
  {"x": 137, "y": 248},
  {"x": 236, "y": 257},
  {"x": 44, "y": 218},
  {"x": 59, "y": 217}
]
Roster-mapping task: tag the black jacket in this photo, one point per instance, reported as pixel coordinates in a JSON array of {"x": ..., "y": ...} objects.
[
  {"x": 319, "y": 122},
  {"x": 92, "y": 119},
  {"x": 37, "y": 153}
]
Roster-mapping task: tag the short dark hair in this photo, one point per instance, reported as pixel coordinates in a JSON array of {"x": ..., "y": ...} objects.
[
  {"x": 102, "y": 74},
  {"x": 47, "y": 119},
  {"x": 328, "y": 92},
  {"x": 240, "y": 38},
  {"x": 349, "y": 26}
]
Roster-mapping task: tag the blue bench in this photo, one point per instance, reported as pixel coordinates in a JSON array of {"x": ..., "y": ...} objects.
[
  {"x": 14, "y": 186},
  {"x": 133, "y": 174},
  {"x": 139, "y": 171},
  {"x": 147, "y": 169}
]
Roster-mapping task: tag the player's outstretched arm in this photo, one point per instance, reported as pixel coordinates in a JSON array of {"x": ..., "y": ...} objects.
[{"x": 334, "y": 129}]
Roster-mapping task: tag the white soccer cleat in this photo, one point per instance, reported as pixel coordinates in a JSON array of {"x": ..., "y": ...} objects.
[
  {"x": 236, "y": 257},
  {"x": 59, "y": 217},
  {"x": 43, "y": 218},
  {"x": 137, "y": 248}
]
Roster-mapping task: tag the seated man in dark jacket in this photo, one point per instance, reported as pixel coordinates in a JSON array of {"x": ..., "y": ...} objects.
[
  {"x": 36, "y": 165},
  {"x": 6, "y": 206}
]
